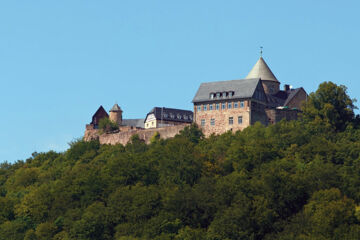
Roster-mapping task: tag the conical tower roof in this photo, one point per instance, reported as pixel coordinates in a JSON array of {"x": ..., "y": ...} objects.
[
  {"x": 116, "y": 108},
  {"x": 261, "y": 70}
]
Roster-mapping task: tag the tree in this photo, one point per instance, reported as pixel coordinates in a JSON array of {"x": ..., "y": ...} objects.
[
  {"x": 106, "y": 125},
  {"x": 192, "y": 132},
  {"x": 330, "y": 104}
]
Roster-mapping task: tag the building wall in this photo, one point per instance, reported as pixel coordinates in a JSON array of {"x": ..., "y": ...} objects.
[
  {"x": 221, "y": 117},
  {"x": 258, "y": 113},
  {"x": 276, "y": 115},
  {"x": 160, "y": 123},
  {"x": 123, "y": 137},
  {"x": 151, "y": 124}
]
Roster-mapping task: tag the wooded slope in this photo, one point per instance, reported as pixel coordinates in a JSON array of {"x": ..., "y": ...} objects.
[{"x": 292, "y": 180}]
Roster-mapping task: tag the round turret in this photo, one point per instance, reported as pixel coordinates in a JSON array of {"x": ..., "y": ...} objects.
[
  {"x": 261, "y": 70},
  {"x": 116, "y": 114}
]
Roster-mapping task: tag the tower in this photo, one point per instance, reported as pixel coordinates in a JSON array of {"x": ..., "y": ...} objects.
[
  {"x": 261, "y": 70},
  {"x": 116, "y": 114}
]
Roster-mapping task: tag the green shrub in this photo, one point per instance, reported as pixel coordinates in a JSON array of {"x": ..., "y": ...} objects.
[{"x": 106, "y": 125}]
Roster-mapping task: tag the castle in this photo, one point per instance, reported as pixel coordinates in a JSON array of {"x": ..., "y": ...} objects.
[
  {"x": 236, "y": 104},
  {"x": 218, "y": 107}
]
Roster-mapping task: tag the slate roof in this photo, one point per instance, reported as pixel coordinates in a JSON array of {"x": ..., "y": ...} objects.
[
  {"x": 134, "y": 122},
  {"x": 291, "y": 95},
  {"x": 116, "y": 108},
  {"x": 282, "y": 98},
  {"x": 261, "y": 70},
  {"x": 244, "y": 88},
  {"x": 171, "y": 114}
]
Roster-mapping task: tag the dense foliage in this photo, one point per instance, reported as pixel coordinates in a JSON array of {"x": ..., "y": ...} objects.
[{"x": 293, "y": 180}]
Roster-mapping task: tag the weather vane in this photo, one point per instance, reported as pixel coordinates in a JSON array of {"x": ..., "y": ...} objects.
[{"x": 261, "y": 51}]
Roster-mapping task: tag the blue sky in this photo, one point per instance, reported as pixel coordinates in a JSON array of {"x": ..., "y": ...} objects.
[{"x": 61, "y": 60}]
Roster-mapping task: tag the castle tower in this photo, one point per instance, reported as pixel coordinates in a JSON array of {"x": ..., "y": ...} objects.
[
  {"x": 116, "y": 114},
  {"x": 261, "y": 70}
]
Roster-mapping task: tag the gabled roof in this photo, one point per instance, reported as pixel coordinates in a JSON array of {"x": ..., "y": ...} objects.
[
  {"x": 99, "y": 114},
  {"x": 100, "y": 110},
  {"x": 116, "y": 108},
  {"x": 171, "y": 114},
  {"x": 261, "y": 70},
  {"x": 292, "y": 94},
  {"x": 282, "y": 98},
  {"x": 244, "y": 88}
]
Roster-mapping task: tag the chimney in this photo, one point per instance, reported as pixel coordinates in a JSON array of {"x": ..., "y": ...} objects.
[{"x": 286, "y": 87}]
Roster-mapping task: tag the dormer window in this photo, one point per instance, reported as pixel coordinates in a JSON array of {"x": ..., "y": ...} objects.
[
  {"x": 185, "y": 117},
  {"x": 224, "y": 94},
  {"x": 165, "y": 115},
  {"x": 212, "y": 95},
  {"x": 190, "y": 117},
  {"x": 172, "y": 115},
  {"x": 218, "y": 95},
  {"x": 178, "y": 116}
]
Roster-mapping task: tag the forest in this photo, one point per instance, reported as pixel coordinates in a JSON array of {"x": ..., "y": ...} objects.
[{"x": 294, "y": 180}]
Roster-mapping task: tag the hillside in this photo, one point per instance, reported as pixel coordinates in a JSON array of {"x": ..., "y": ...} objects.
[{"x": 293, "y": 180}]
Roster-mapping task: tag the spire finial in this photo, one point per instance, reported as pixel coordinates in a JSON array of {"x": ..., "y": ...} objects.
[{"x": 261, "y": 51}]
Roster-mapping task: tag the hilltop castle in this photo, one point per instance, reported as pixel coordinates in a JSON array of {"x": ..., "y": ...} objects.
[
  {"x": 218, "y": 107},
  {"x": 237, "y": 104}
]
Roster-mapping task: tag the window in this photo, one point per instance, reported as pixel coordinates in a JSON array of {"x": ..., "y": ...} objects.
[
  {"x": 239, "y": 119},
  {"x": 242, "y": 104},
  {"x": 185, "y": 117},
  {"x": 202, "y": 122},
  {"x": 178, "y": 116},
  {"x": 217, "y": 106},
  {"x": 172, "y": 115},
  {"x": 231, "y": 120},
  {"x": 229, "y": 105},
  {"x": 212, "y": 95},
  {"x": 205, "y": 107},
  {"x": 236, "y": 105},
  {"x": 199, "y": 108},
  {"x": 218, "y": 95},
  {"x": 212, "y": 122},
  {"x": 211, "y": 106},
  {"x": 190, "y": 117},
  {"x": 223, "y": 106},
  {"x": 152, "y": 123},
  {"x": 165, "y": 115}
]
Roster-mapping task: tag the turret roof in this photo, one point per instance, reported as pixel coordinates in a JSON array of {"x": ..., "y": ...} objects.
[
  {"x": 115, "y": 108},
  {"x": 261, "y": 70}
]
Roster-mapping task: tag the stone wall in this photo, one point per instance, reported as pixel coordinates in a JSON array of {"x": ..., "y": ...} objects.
[
  {"x": 221, "y": 118},
  {"x": 275, "y": 115},
  {"x": 123, "y": 137}
]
